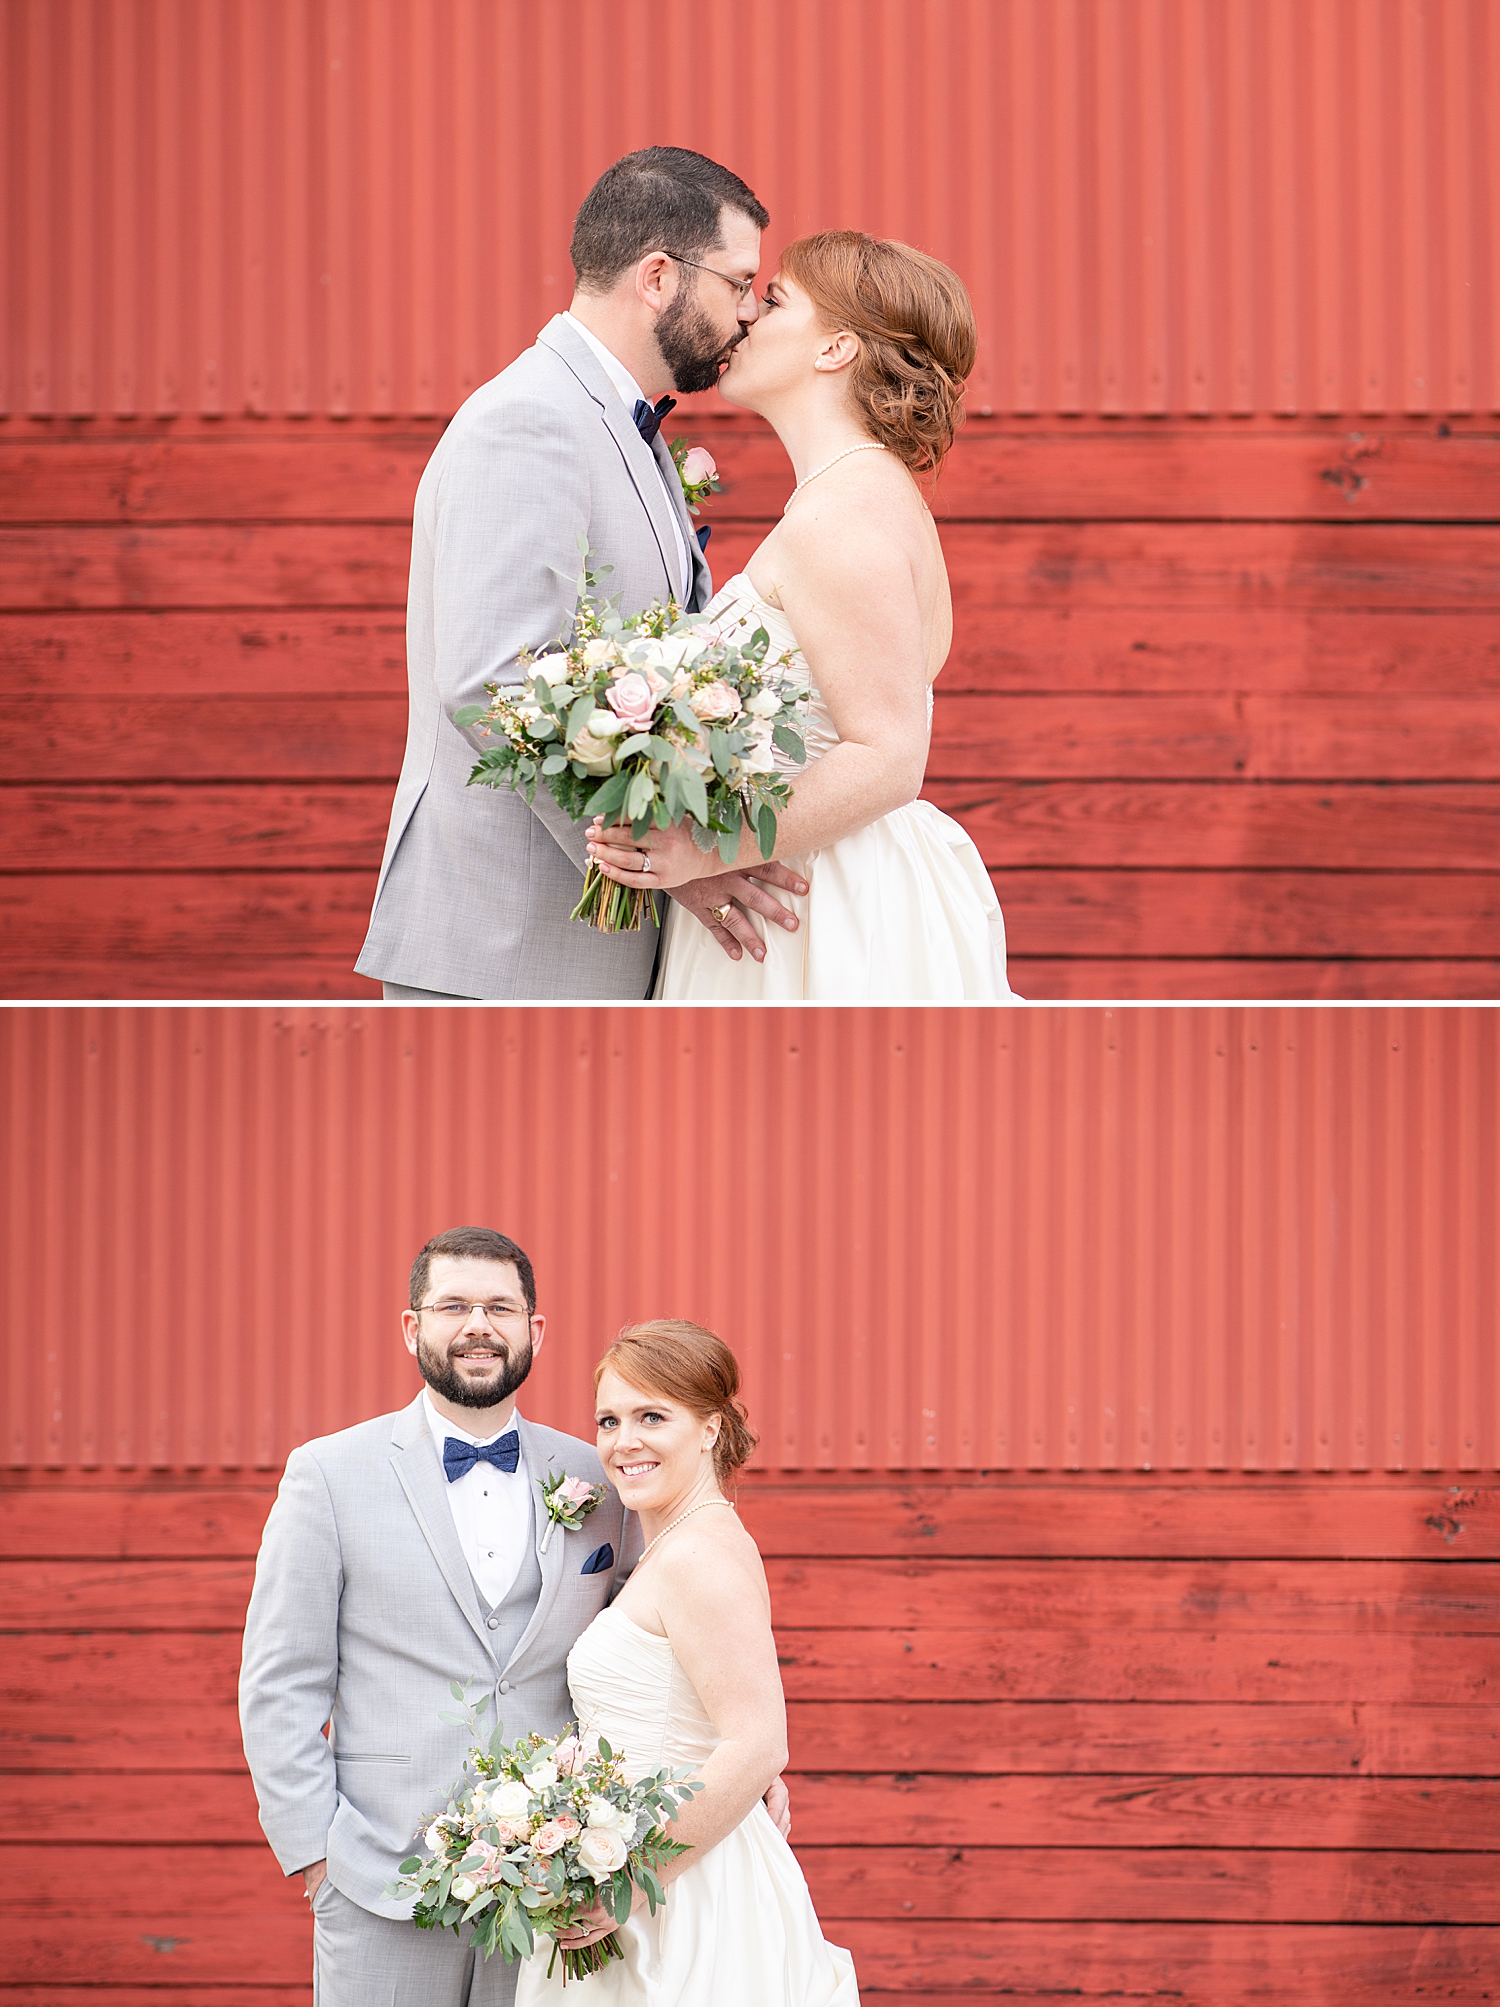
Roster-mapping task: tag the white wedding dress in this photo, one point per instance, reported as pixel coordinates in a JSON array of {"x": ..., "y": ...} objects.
[
  {"x": 738, "y": 1928},
  {"x": 900, "y": 911}
]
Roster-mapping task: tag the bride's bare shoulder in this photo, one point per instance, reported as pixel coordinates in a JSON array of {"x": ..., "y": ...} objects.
[{"x": 712, "y": 1558}]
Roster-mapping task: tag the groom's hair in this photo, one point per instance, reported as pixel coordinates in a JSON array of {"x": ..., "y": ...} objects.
[
  {"x": 664, "y": 198},
  {"x": 473, "y": 1243}
]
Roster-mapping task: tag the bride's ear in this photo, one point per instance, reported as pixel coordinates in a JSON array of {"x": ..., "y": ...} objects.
[{"x": 837, "y": 352}]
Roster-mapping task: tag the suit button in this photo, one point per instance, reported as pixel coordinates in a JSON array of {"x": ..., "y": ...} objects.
[
  {"x": 505, "y": 1686},
  {"x": 494, "y": 1623}
]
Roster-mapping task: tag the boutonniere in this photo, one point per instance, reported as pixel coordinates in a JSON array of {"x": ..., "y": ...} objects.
[
  {"x": 696, "y": 471},
  {"x": 569, "y": 1501}
]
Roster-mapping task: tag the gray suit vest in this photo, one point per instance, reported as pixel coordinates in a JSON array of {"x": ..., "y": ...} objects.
[{"x": 506, "y": 1620}]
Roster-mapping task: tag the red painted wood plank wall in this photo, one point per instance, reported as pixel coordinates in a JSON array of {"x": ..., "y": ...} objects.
[
  {"x": 1129, "y": 1421},
  {"x": 1223, "y": 531}
]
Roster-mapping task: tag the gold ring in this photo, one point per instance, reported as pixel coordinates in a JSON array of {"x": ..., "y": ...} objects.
[{"x": 722, "y": 913}]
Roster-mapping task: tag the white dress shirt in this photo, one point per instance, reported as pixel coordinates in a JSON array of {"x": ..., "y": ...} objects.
[
  {"x": 632, "y": 393},
  {"x": 491, "y": 1508}
]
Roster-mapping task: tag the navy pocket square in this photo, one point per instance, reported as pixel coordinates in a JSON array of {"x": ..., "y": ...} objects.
[{"x": 601, "y": 1558}]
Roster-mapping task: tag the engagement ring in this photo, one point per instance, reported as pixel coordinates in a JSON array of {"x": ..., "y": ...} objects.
[{"x": 645, "y": 857}]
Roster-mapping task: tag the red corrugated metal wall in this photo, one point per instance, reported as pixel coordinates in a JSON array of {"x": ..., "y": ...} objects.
[
  {"x": 1222, "y": 533},
  {"x": 1129, "y": 1392}
]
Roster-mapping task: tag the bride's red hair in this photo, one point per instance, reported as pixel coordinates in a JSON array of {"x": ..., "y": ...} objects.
[{"x": 916, "y": 330}]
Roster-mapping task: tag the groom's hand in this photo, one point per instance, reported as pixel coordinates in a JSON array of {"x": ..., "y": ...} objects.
[
  {"x": 744, "y": 893},
  {"x": 313, "y": 1878},
  {"x": 779, "y": 1805}
]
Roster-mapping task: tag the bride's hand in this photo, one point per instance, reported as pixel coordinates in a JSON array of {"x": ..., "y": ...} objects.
[
  {"x": 675, "y": 858},
  {"x": 592, "y": 1924}
]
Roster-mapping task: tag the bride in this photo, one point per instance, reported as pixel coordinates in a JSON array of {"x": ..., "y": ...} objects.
[
  {"x": 857, "y": 360},
  {"x": 681, "y": 1669}
]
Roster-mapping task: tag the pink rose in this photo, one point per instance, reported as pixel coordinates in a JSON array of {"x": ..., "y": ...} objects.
[
  {"x": 632, "y": 702},
  {"x": 715, "y": 701},
  {"x": 698, "y": 465},
  {"x": 511, "y": 1830},
  {"x": 574, "y": 1491},
  {"x": 556, "y": 1833}
]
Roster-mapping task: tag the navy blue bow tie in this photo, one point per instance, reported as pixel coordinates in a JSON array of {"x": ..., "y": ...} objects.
[
  {"x": 648, "y": 417},
  {"x": 460, "y": 1458}
]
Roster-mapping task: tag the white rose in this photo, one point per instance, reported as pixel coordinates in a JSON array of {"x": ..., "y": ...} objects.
[
  {"x": 764, "y": 704},
  {"x": 596, "y": 755},
  {"x": 603, "y": 723},
  {"x": 463, "y": 1888},
  {"x": 600, "y": 1852},
  {"x": 605, "y": 1817},
  {"x": 542, "y": 1775},
  {"x": 510, "y": 1800},
  {"x": 598, "y": 650},
  {"x": 759, "y": 756},
  {"x": 435, "y": 1839}
]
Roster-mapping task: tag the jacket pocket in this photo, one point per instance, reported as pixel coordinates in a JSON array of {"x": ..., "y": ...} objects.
[{"x": 366, "y": 1756}]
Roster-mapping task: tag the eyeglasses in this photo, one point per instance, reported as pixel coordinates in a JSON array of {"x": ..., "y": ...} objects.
[
  {"x": 742, "y": 287},
  {"x": 451, "y": 1311}
]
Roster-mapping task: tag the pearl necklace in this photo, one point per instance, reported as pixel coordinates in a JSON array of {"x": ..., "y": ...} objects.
[
  {"x": 869, "y": 446},
  {"x": 679, "y": 1519}
]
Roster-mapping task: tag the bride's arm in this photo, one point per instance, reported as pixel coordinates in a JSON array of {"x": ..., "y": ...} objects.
[
  {"x": 849, "y": 592},
  {"x": 711, "y": 1599}
]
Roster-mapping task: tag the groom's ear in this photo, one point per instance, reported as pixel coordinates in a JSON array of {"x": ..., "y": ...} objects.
[{"x": 538, "y": 1330}]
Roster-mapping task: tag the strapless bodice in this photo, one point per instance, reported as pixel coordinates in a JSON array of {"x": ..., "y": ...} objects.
[
  {"x": 628, "y": 1687},
  {"x": 736, "y": 610}
]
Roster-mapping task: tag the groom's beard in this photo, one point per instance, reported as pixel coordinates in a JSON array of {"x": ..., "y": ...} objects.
[
  {"x": 690, "y": 345},
  {"x": 511, "y": 1368}
]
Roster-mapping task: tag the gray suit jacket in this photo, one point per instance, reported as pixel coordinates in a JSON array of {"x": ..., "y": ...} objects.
[
  {"x": 363, "y": 1610},
  {"x": 476, "y": 887}
]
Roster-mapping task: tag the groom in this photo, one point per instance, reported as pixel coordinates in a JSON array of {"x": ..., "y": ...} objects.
[
  {"x": 476, "y": 885},
  {"x": 401, "y": 1554}
]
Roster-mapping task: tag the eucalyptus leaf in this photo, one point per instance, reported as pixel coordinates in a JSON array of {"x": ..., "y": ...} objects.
[
  {"x": 413, "y": 1864},
  {"x": 470, "y": 714},
  {"x": 788, "y": 742},
  {"x": 612, "y": 795},
  {"x": 453, "y": 1720},
  {"x": 719, "y": 751},
  {"x": 765, "y": 828}
]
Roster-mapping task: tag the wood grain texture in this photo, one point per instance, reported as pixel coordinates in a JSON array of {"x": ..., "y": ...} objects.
[
  {"x": 996, "y": 567},
  {"x": 1169, "y": 650},
  {"x": 1226, "y": 1885},
  {"x": 1043, "y": 979},
  {"x": 1331, "y": 475},
  {"x": 973, "y": 1519}
]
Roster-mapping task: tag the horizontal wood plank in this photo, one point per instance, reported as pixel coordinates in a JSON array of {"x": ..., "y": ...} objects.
[
  {"x": 1330, "y": 474},
  {"x": 979, "y": 740},
  {"x": 1044, "y": 979},
  {"x": 1269, "y": 914},
  {"x": 153, "y": 1676},
  {"x": 1089, "y": 1737},
  {"x": 1340, "y": 1597},
  {"x": 1111, "y": 736},
  {"x": 272, "y": 974},
  {"x": 907, "y": 1808},
  {"x": 229, "y": 826},
  {"x": 272, "y": 825},
  {"x": 1346, "y": 826},
  {"x": 1205, "y": 1598},
  {"x": 141, "y": 1808},
  {"x": 1168, "y": 1884},
  {"x": 880, "y": 1664},
  {"x": 963, "y": 1738},
  {"x": 995, "y": 567},
  {"x": 244, "y": 923},
  {"x": 207, "y": 1994},
  {"x": 1195, "y": 1965},
  {"x": 964, "y": 1519},
  {"x": 1166, "y": 650}
]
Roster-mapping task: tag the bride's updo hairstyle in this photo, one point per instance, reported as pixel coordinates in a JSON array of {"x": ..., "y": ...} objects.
[
  {"x": 692, "y": 1366},
  {"x": 916, "y": 332}
]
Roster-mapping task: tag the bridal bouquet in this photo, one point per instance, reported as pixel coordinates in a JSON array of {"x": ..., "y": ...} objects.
[
  {"x": 534, "y": 1834},
  {"x": 654, "y": 720}
]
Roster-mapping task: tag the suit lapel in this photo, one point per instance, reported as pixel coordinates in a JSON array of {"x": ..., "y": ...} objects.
[
  {"x": 699, "y": 590},
  {"x": 538, "y": 1466},
  {"x": 640, "y": 460},
  {"x": 414, "y": 1459}
]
